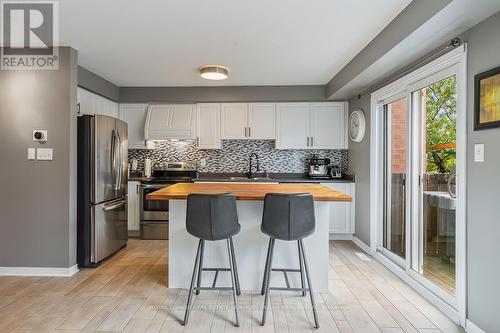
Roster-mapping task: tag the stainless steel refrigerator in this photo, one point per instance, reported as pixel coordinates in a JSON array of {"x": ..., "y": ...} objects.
[{"x": 102, "y": 188}]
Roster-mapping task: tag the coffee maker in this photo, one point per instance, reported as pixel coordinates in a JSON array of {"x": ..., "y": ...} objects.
[{"x": 318, "y": 167}]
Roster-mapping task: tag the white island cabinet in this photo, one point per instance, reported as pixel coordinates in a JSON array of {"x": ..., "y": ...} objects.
[
  {"x": 341, "y": 217},
  {"x": 250, "y": 243}
]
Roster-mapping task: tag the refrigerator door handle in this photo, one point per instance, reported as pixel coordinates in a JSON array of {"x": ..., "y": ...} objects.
[
  {"x": 120, "y": 161},
  {"x": 113, "y": 205},
  {"x": 114, "y": 160}
]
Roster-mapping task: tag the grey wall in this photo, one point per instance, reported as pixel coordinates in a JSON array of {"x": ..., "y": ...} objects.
[
  {"x": 483, "y": 187},
  {"x": 222, "y": 94},
  {"x": 98, "y": 85},
  {"x": 483, "y": 184},
  {"x": 37, "y": 200},
  {"x": 359, "y": 164}
]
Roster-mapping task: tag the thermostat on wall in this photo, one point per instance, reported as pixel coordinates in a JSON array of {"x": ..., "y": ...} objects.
[{"x": 40, "y": 136}]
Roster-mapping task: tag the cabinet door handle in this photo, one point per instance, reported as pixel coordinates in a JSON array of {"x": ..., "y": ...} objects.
[
  {"x": 312, "y": 141},
  {"x": 308, "y": 141},
  {"x": 246, "y": 132},
  {"x": 137, "y": 188},
  {"x": 249, "y": 132}
]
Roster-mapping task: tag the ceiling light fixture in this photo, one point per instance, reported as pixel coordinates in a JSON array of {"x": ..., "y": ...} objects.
[{"x": 214, "y": 72}]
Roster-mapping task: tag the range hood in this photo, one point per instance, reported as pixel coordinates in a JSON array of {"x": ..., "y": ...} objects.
[{"x": 170, "y": 121}]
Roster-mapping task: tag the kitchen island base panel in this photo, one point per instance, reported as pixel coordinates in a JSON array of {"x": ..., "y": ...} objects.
[{"x": 250, "y": 248}]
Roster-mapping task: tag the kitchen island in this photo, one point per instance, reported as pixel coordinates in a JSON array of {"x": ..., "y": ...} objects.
[{"x": 250, "y": 244}]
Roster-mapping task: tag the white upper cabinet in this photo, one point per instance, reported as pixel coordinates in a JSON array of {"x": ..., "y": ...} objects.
[
  {"x": 91, "y": 103},
  {"x": 170, "y": 121},
  {"x": 234, "y": 120},
  {"x": 209, "y": 125},
  {"x": 328, "y": 126},
  {"x": 86, "y": 101},
  {"x": 311, "y": 126},
  {"x": 135, "y": 116},
  {"x": 292, "y": 125},
  {"x": 248, "y": 121},
  {"x": 261, "y": 121}
]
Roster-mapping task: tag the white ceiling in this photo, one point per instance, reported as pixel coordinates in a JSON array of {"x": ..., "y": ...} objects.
[{"x": 263, "y": 42}]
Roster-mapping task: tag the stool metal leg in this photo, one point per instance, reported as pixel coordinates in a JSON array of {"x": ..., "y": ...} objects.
[
  {"x": 190, "y": 294},
  {"x": 200, "y": 268},
  {"x": 316, "y": 322},
  {"x": 237, "y": 278},
  {"x": 263, "y": 289},
  {"x": 233, "y": 278},
  {"x": 301, "y": 265},
  {"x": 268, "y": 274}
]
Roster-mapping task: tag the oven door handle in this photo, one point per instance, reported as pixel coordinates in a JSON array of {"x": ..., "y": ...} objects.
[{"x": 153, "y": 186}]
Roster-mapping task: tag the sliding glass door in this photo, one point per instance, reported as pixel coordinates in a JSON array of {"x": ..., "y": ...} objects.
[
  {"x": 395, "y": 173},
  {"x": 418, "y": 181},
  {"x": 434, "y": 227}
]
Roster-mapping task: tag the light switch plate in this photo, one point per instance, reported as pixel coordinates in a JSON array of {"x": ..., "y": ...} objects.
[
  {"x": 31, "y": 154},
  {"x": 44, "y": 154},
  {"x": 479, "y": 152}
]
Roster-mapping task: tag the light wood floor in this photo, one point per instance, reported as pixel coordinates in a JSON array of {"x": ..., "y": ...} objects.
[{"x": 128, "y": 293}]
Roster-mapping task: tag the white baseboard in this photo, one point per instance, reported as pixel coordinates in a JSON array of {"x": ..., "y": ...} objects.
[
  {"x": 470, "y": 327},
  {"x": 340, "y": 236},
  {"x": 362, "y": 245},
  {"x": 38, "y": 271}
]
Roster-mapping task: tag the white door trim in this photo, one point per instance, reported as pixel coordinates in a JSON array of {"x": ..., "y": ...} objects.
[{"x": 456, "y": 57}]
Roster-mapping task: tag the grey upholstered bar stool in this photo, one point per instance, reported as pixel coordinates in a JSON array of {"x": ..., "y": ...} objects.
[
  {"x": 212, "y": 217},
  {"x": 288, "y": 217}
]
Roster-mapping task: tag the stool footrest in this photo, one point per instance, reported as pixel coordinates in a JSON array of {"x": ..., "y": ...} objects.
[
  {"x": 288, "y": 289},
  {"x": 212, "y": 288},
  {"x": 285, "y": 270}
]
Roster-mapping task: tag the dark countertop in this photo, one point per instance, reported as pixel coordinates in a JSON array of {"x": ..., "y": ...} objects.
[{"x": 273, "y": 177}]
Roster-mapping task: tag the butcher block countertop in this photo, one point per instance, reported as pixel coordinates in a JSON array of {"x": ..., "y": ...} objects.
[{"x": 253, "y": 191}]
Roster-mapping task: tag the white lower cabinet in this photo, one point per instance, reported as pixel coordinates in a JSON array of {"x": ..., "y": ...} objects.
[
  {"x": 133, "y": 205},
  {"x": 342, "y": 213}
]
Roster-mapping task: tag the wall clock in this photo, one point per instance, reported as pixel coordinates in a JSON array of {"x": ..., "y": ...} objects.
[{"x": 357, "y": 125}]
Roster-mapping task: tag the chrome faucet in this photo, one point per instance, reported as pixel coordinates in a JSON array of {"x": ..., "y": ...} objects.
[{"x": 250, "y": 173}]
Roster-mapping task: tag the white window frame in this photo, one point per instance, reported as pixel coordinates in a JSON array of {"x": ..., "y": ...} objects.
[{"x": 457, "y": 60}]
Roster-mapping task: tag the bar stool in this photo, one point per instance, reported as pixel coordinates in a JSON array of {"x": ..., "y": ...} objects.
[
  {"x": 212, "y": 217},
  {"x": 288, "y": 217}
]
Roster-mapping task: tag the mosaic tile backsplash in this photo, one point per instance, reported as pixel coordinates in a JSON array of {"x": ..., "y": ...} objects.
[{"x": 233, "y": 157}]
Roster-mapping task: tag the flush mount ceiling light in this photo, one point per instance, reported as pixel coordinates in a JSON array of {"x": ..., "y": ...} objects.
[{"x": 214, "y": 72}]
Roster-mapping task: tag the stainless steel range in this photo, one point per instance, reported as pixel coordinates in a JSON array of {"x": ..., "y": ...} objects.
[{"x": 154, "y": 213}]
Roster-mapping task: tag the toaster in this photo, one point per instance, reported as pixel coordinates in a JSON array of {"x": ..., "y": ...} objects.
[{"x": 335, "y": 171}]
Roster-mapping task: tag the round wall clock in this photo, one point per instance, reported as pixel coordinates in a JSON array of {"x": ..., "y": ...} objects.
[{"x": 357, "y": 125}]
